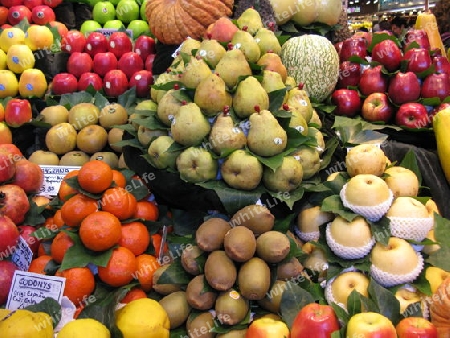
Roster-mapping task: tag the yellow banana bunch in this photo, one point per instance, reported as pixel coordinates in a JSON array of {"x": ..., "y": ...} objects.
[{"x": 441, "y": 126}]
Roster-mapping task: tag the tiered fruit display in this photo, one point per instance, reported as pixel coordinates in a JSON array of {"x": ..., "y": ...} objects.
[
  {"x": 36, "y": 12},
  {"x": 384, "y": 81}
]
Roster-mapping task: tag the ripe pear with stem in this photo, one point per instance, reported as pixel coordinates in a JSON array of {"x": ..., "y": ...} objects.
[
  {"x": 194, "y": 72},
  {"x": 287, "y": 177},
  {"x": 272, "y": 81},
  {"x": 168, "y": 107},
  {"x": 267, "y": 41},
  {"x": 232, "y": 66},
  {"x": 211, "y": 51},
  {"x": 189, "y": 126},
  {"x": 249, "y": 93},
  {"x": 250, "y": 21},
  {"x": 242, "y": 170},
  {"x": 244, "y": 41},
  {"x": 297, "y": 99},
  {"x": 211, "y": 95}
]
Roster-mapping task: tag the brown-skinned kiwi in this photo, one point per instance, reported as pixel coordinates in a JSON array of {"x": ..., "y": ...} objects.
[
  {"x": 177, "y": 308},
  {"x": 256, "y": 217},
  {"x": 273, "y": 246},
  {"x": 240, "y": 244},
  {"x": 197, "y": 323},
  {"x": 289, "y": 269},
  {"x": 163, "y": 289},
  {"x": 254, "y": 279},
  {"x": 271, "y": 302},
  {"x": 220, "y": 271},
  {"x": 231, "y": 308},
  {"x": 211, "y": 233},
  {"x": 189, "y": 259},
  {"x": 196, "y": 295}
]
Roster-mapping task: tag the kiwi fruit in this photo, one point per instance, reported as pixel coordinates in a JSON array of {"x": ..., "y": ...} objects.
[
  {"x": 231, "y": 308},
  {"x": 163, "y": 289},
  {"x": 233, "y": 334},
  {"x": 257, "y": 218},
  {"x": 189, "y": 259},
  {"x": 273, "y": 246},
  {"x": 272, "y": 300},
  {"x": 211, "y": 233},
  {"x": 289, "y": 269},
  {"x": 200, "y": 325},
  {"x": 220, "y": 271},
  {"x": 254, "y": 279},
  {"x": 240, "y": 244},
  {"x": 197, "y": 296},
  {"x": 177, "y": 308}
]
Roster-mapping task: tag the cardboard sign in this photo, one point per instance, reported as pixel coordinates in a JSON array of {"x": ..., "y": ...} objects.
[
  {"x": 29, "y": 288},
  {"x": 53, "y": 176},
  {"x": 22, "y": 255}
]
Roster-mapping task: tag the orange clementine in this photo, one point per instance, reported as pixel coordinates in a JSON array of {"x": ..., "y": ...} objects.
[
  {"x": 119, "y": 202},
  {"x": 135, "y": 237},
  {"x": 57, "y": 219},
  {"x": 156, "y": 240},
  {"x": 119, "y": 179},
  {"x": 146, "y": 267},
  {"x": 65, "y": 190},
  {"x": 80, "y": 283},
  {"x": 61, "y": 243},
  {"x": 100, "y": 231},
  {"x": 44, "y": 248},
  {"x": 95, "y": 176},
  {"x": 77, "y": 208},
  {"x": 146, "y": 210},
  {"x": 120, "y": 269},
  {"x": 38, "y": 264},
  {"x": 133, "y": 294}
]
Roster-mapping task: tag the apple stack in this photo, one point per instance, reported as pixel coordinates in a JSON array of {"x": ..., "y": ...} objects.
[
  {"x": 113, "y": 64},
  {"x": 385, "y": 82},
  {"x": 39, "y": 12}
]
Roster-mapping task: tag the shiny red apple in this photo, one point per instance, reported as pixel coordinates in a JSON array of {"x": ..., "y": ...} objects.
[
  {"x": 436, "y": 85},
  {"x": 315, "y": 320},
  {"x": 64, "y": 83},
  {"x": 349, "y": 74},
  {"x": 376, "y": 107},
  {"x": 115, "y": 83},
  {"x": 18, "y": 13},
  {"x": 149, "y": 62},
  {"x": 130, "y": 63},
  {"x": 119, "y": 44},
  {"x": 353, "y": 46},
  {"x": 347, "y": 102},
  {"x": 144, "y": 46},
  {"x": 419, "y": 60},
  {"x": 90, "y": 79},
  {"x": 104, "y": 62},
  {"x": 441, "y": 64},
  {"x": 404, "y": 87},
  {"x": 142, "y": 80},
  {"x": 419, "y": 36},
  {"x": 73, "y": 42},
  {"x": 416, "y": 327},
  {"x": 96, "y": 43},
  {"x": 412, "y": 115},
  {"x": 373, "y": 81},
  {"x": 42, "y": 15},
  {"x": 388, "y": 53},
  {"x": 79, "y": 63}
]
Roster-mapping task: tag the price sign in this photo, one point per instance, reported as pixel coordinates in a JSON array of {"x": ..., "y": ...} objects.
[
  {"x": 108, "y": 31},
  {"x": 29, "y": 288},
  {"x": 53, "y": 176},
  {"x": 22, "y": 255}
]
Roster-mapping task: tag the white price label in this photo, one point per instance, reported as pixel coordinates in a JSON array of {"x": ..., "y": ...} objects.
[
  {"x": 53, "y": 176},
  {"x": 29, "y": 288},
  {"x": 22, "y": 255},
  {"x": 107, "y": 32}
]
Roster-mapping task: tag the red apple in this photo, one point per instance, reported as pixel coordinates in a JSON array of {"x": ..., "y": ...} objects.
[
  {"x": 349, "y": 74},
  {"x": 79, "y": 63},
  {"x": 18, "y": 13},
  {"x": 115, "y": 83},
  {"x": 11, "y": 3},
  {"x": 347, "y": 102},
  {"x": 370, "y": 325},
  {"x": 104, "y": 62},
  {"x": 376, "y": 107},
  {"x": 419, "y": 60},
  {"x": 388, "y": 54},
  {"x": 353, "y": 46},
  {"x": 373, "y": 81},
  {"x": 364, "y": 35},
  {"x": 441, "y": 64},
  {"x": 64, "y": 83},
  {"x": 142, "y": 80},
  {"x": 25, "y": 233},
  {"x": 419, "y": 36},
  {"x": 144, "y": 46},
  {"x": 119, "y": 44},
  {"x": 52, "y": 3},
  {"x": 6, "y": 25},
  {"x": 9, "y": 235},
  {"x": 73, "y": 42},
  {"x": 96, "y": 43},
  {"x": 404, "y": 87},
  {"x": 338, "y": 46},
  {"x": 88, "y": 79},
  {"x": 149, "y": 62},
  {"x": 32, "y": 3},
  {"x": 3, "y": 15},
  {"x": 42, "y": 15},
  {"x": 7, "y": 167},
  {"x": 266, "y": 327},
  {"x": 130, "y": 63},
  {"x": 18, "y": 112},
  {"x": 7, "y": 269},
  {"x": 412, "y": 115},
  {"x": 315, "y": 318},
  {"x": 436, "y": 85},
  {"x": 418, "y": 327}
]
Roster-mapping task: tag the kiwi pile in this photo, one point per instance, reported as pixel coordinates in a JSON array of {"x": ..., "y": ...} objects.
[{"x": 234, "y": 266}]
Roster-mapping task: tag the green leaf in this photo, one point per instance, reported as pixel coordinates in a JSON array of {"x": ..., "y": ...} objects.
[
  {"x": 151, "y": 122},
  {"x": 293, "y": 300},
  {"x": 430, "y": 70},
  {"x": 129, "y": 143},
  {"x": 330, "y": 147},
  {"x": 284, "y": 114},
  {"x": 413, "y": 310},
  {"x": 23, "y": 24},
  {"x": 34, "y": 215},
  {"x": 128, "y": 98},
  {"x": 294, "y": 251},
  {"x": 179, "y": 332},
  {"x": 70, "y": 100},
  {"x": 342, "y": 315},
  {"x": 283, "y": 224},
  {"x": 440, "y": 258},
  {"x": 289, "y": 27},
  {"x": 128, "y": 128},
  {"x": 100, "y": 101},
  {"x": 338, "y": 183},
  {"x": 44, "y": 233},
  {"x": 381, "y": 230},
  {"x": 385, "y": 300},
  {"x": 358, "y": 59},
  {"x": 185, "y": 222},
  {"x": 289, "y": 198},
  {"x": 422, "y": 284},
  {"x": 334, "y": 204},
  {"x": 276, "y": 99},
  {"x": 354, "y": 303},
  {"x": 168, "y": 85},
  {"x": 175, "y": 274},
  {"x": 409, "y": 161},
  {"x": 441, "y": 230},
  {"x": 49, "y": 306},
  {"x": 368, "y": 304}
]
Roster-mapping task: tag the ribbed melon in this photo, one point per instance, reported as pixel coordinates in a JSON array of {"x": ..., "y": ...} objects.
[{"x": 312, "y": 60}]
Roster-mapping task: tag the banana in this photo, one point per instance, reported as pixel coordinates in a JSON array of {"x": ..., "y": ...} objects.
[{"x": 441, "y": 126}]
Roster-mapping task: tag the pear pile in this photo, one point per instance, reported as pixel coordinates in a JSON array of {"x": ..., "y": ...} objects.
[{"x": 228, "y": 111}]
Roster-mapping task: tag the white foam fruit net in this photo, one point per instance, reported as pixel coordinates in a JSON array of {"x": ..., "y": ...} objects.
[
  {"x": 371, "y": 213},
  {"x": 308, "y": 236},
  {"x": 411, "y": 228},
  {"x": 347, "y": 252}
]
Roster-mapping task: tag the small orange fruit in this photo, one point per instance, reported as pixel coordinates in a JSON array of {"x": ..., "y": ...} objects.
[
  {"x": 65, "y": 190},
  {"x": 44, "y": 248},
  {"x": 156, "y": 240},
  {"x": 146, "y": 210},
  {"x": 95, "y": 176},
  {"x": 119, "y": 202},
  {"x": 77, "y": 208},
  {"x": 100, "y": 231},
  {"x": 119, "y": 179},
  {"x": 61, "y": 243},
  {"x": 38, "y": 264},
  {"x": 120, "y": 269},
  {"x": 146, "y": 267},
  {"x": 57, "y": 219},
  {"x": 80, "y": 283},
  {"x": 135, "y": 237},
  {"x": 133, "y": 294}
]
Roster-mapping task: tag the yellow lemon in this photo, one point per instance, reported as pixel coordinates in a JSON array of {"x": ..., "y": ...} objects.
[
  {"x": 19, "y": 58},
  {"x": 3, "y": 64},
  {"x": 39, "y": 37},
  {"x": 32, "y": 83},
  {"x": 9, "y": 86},
  {"x": 84, "y": 328},
  {"x": 11, "y": 36},
  {"x": 23, "y": 323},
  {"x": 143, "y": 317}
]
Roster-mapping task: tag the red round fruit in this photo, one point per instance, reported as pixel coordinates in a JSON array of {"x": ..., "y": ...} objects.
[
  {"x": 90, "y": 79},
  {"x": 79, "y": 63},
  {"x": 73, "y": 42},
  {"x": 29, "y": 176},
  {"x": 119, "y": 44},
  {"x": 149, "y": 62},
  {"x": 9, "y": 235},
  {"x": 7, "y": 270},
  {"x": 18, "y": 13},
  {"x": 317, "y": 318},
  {"x": 104, "y": 62},
  {"x": 42, "y": 15},
  {"x": 64, "y": 83},
  {"x": 96, "y": 43},
  {"x": 14, "y": 202},
  {"x": 11, "y": 3},
  {"x": 32, "y": 3},
  {"x": 142, "y": 80},
  {"x": 130, "y": 63},
  {"x": 52, "y": 3},
  {"x": 7, "y": 167},
  {"x": 144, "y": 46},
  {"x": 25, "y": 232},
  {"x": 115, "y": 83}
]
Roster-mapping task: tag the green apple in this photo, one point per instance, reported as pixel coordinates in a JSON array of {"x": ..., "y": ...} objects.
[
  {"x": 142, "y": 10},
  {"x": 127, "y": 11},
  {"x": 370, "y": 325},
  {"x": 103, "y": 11},
  {"x": 113, "y": 24},
  {"x": 114, "y": 2},
  {"x": 92, "y": 3},
  {"x": 138, "y": 27},
  {"x": 89, "y": 26}
]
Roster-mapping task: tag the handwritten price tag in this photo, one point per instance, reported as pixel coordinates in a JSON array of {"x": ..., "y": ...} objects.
[
  {"x": 22, "y": 255},
  {"x": 53, "y": 176}
]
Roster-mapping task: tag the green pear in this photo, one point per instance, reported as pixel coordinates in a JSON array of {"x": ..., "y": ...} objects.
[
  {"x": 298, "y": 100},
  {"x": 168, "y": 106},
  {"x": 290, "y": 82},
  {"x": 272, "y": 61},
  {"x": 241, "y": 170},
  {"x": 298, "y": 122},
  {"x": 211, "y": 95},
  {"x": 232, "y": 66},
  {"x": 315, "y": 118},
  {"x": 189, "y": 126},
  {"x": 319, "y": 138},
  {"x": 145, "y": 135},
  {"x": 195, "y": 71},
  {"x": 225, "y": 135},
  {"x": 211, "y": 51},
  {"x": 177, "y": 65},
  {"x": 272, "y": 81},
  {"x": 250, "y": 21},
  {"x": 287, "y": 177},
  {"x": 157, "y": 94},
  {"x": 189, "y": 45},
  {"x": 244, "y": 41},
  {"x": 196, "y": 164},
  {"x": 146, "y": 105},
  {"x": 309, "y": 158},
  {"x": 159, "y": 155},
  {"x": 265, "y": 136},
  {"x": 249, "y": 94},
  {"x": 267, "y": 41}
]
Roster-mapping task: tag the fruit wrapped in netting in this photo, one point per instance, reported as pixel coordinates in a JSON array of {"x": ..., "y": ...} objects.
[{"x": 415, "y": 229}]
